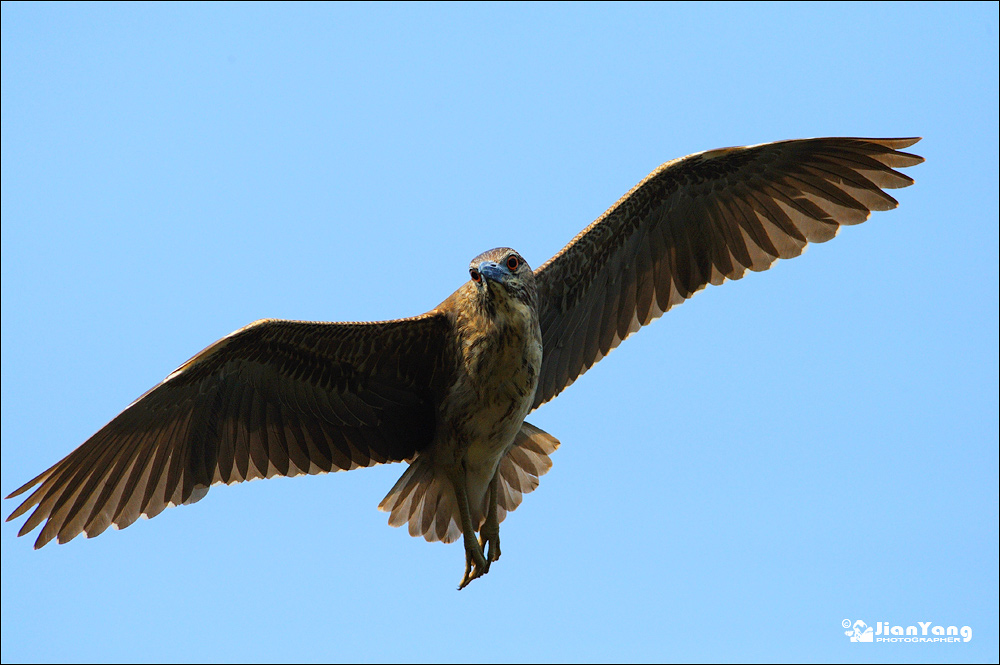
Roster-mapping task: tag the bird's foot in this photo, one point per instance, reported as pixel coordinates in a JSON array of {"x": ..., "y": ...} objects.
[
  {"x": 475, "y": 563},
  {"x": 489, "y": 540}
]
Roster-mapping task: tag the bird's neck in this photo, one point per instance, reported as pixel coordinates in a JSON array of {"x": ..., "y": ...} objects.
[{"x": 499, "y": 338}]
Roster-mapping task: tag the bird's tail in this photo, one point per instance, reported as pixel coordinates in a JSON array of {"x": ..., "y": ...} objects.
[{"x": 424, "y": 497}]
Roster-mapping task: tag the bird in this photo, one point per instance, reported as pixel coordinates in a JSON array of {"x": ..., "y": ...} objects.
[{"x": 448, "y": 391}]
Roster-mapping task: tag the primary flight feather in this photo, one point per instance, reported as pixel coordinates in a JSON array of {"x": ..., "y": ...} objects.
[{"x": 448, "y": 391}]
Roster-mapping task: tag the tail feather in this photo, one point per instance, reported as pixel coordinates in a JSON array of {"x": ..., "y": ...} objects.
[
  {"x": 424, "y": 499},
  {"x": 408, "y": 494}
]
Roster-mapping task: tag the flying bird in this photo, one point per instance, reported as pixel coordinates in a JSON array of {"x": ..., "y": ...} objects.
[{"x": 448, "y": 391}]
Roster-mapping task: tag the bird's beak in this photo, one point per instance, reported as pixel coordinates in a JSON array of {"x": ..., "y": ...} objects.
[{"x": 492, "y": 271}]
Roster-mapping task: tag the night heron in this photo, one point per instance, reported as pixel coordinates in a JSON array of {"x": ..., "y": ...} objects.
[{"x": 448, "y": 391}]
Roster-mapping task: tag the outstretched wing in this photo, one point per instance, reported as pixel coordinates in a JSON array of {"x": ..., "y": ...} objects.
[
  {"x": 701, "y": 220},
  {"x": 274, "y": 398}
]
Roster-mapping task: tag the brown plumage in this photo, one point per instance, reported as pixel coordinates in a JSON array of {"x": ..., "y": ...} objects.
[{"x": 448, "y": 390}]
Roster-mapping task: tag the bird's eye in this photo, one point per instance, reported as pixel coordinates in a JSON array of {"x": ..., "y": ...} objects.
[
  {"x": 476, "y": 277},
  {"x": 512, "y": 263}
]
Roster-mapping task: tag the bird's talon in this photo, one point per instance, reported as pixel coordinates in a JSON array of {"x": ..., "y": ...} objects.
[{"x": 476, "y": 565}]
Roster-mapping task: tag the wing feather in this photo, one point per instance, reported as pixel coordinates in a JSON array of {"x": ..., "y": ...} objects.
[
  {"x": 274, "y": 398},
  {"x": 702, "y": 220}
]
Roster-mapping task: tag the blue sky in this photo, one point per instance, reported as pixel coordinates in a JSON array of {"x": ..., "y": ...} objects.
[{"x": 808, "y": 445}]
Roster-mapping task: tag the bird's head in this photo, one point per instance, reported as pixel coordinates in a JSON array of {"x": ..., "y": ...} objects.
[{"x": 500, "y": 276}]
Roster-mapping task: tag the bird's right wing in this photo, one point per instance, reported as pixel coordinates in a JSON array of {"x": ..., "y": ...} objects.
[
  {"x": 701, "y": 220},
  {"x": 274, "y": 398}
]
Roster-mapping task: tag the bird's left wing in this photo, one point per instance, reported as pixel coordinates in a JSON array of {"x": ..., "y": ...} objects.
[
  {"x": 696, "y": 221},
  {"x": 274, "y": 398}
]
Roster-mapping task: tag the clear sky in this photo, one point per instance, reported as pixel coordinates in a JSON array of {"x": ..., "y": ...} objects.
[{"x": 813, "y": 444}]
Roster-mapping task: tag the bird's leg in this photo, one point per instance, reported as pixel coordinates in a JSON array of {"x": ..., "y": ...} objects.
[
  {"x": 475, "y": 562},
  {"x": 490, "y": 533}
]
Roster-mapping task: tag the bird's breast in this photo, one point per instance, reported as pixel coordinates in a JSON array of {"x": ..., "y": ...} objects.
[{"x": 501, "y": 357}]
